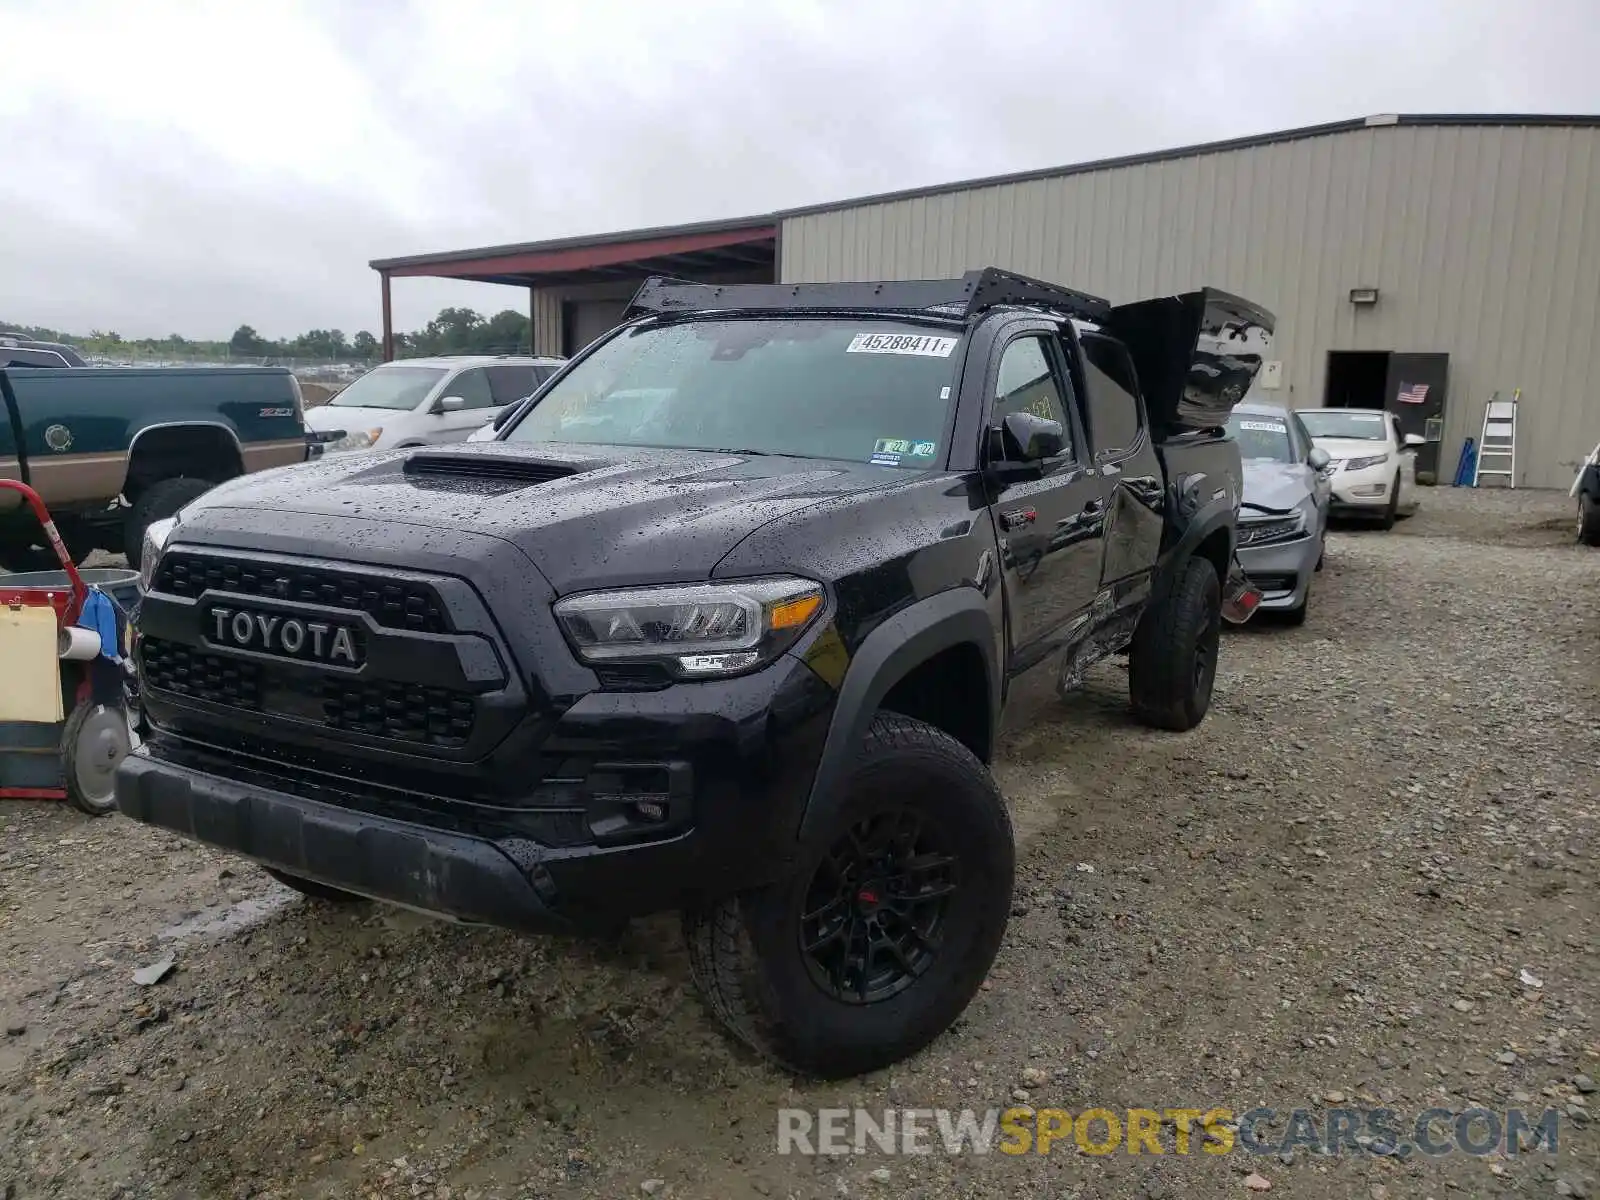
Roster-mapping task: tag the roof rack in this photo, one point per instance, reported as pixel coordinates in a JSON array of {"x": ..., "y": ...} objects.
[{"x": 974, "y": 292}]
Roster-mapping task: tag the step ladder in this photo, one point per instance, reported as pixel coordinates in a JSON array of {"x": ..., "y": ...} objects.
[{"x": 1498, "y": 445}]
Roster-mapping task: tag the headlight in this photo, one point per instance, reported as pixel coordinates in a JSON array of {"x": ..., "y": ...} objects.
[
  {"x": 155, "y": 541},
  {"x": 700, "y": 631},
  {"x": 1361, "y": 464},
  {"x": 358, "y": 439}
]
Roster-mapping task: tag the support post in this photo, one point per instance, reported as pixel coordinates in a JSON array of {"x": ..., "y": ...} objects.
[{"x": 388, "y": 319}]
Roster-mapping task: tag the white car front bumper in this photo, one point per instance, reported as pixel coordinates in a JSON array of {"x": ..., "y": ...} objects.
[{"x": 1361, "y": 490}]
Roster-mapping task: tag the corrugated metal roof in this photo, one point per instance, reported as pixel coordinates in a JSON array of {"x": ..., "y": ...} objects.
[{"x": 755, "y": 222}]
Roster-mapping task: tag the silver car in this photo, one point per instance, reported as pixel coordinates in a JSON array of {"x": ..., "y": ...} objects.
[{"x": 1284, "y": 518}]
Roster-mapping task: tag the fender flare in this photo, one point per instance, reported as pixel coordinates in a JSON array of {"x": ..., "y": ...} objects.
[
  {"x": 889, "y": 653},
  {"x": 1218, "y": 514}
]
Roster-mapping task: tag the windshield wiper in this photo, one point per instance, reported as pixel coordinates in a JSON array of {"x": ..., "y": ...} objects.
[{"x": 729, "y": 450}]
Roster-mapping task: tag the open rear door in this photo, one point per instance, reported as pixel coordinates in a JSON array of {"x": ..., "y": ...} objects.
[{"x": 1197, "y": 354}]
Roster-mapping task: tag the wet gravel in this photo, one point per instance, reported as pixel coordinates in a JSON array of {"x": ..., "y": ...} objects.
[{"x": 1369, "y": 878}]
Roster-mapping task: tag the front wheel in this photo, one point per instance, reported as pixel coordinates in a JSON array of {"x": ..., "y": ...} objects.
[
  {"x": 884, "y": 932},
  {"x": 157, "y": 502},
  {"x": 1392, "y": 513},
  {"x": 1589, "y": 520},
  {"x": 1172, "y": 665}
]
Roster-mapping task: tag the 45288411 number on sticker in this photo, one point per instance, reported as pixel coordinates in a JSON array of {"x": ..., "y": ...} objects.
[{"x": 901, "y": 343}]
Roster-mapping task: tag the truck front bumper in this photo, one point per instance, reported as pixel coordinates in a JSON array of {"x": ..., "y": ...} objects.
[
  {"x": 452, "y": 875},
  {"x": 632, "y": 803}
]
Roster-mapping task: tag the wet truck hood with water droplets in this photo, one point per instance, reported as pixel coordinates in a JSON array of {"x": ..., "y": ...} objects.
[{"x": 610, "y": 516}]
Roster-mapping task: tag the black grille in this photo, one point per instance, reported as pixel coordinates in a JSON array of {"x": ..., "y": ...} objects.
[
  {"x": 177, "y": 668},
  {"x": 392, "y": 605},
  {"x": 429, "y": 715}
]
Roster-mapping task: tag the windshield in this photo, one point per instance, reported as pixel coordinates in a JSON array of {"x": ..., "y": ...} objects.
[
  {"x": 389, "y": 387},
  {"x": 1261, "y": 438},
  {"x": 869, "y": 390},
  {"x": 1331, "y": 423}
]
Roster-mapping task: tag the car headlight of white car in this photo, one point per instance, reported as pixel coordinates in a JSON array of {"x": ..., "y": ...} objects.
[
  {"x": 699, "y": 631},
  {"x": 1361, "y": 464},
  {"x": 356, "y": 439}
]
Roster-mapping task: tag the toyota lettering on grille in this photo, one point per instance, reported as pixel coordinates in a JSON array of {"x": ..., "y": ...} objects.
[{"x": 287, "y": 637}]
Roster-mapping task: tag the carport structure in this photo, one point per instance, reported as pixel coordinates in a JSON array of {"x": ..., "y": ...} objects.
[{"x": 578, "y": 287}]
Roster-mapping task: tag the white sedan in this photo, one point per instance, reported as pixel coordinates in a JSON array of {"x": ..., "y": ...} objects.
[{"x": 1374, "y": 466}]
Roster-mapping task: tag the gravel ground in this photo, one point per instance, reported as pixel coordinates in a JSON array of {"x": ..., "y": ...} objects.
[{"x": 1341, "y": 889}]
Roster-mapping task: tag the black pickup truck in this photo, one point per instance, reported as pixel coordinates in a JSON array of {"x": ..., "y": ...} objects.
[{"x": 722, "y": 622}]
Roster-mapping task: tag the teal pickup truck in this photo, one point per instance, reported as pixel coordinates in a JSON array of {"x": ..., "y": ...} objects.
[{"x": 112, "y": 449}]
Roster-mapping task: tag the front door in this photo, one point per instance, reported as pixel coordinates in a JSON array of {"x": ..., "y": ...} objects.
[
  {"x": 1415, "y": 393},
  {"x": 1051, "y": 530},
  {"x": 456, "y": 425}
]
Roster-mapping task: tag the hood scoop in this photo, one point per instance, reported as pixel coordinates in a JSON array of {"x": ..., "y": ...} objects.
[{"x": 482, "y": 474}]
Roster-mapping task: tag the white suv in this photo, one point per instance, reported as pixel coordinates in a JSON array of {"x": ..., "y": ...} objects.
[{"x": 425, "y": 401}]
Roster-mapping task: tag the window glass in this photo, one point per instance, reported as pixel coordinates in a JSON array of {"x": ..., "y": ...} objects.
[
  {"x": 473, "y": 387},
  {"x": 1114, "y": 418},
  {"x": 389, "y": 386},
  {"x": 1026, "y": 383},
  {"x": 866, "y": 389},
  {"x": 509, "y": 384},
  {"x": 1262, "y": 437},
  {"x": 1342, "y": 423}
]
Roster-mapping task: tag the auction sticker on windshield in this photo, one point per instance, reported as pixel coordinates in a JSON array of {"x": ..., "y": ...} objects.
[
  {"x": 1264, "y": 426},
  {"x": 901, "y": 343}
]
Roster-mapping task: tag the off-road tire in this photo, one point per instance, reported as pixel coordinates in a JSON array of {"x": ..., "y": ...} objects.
[
  {"x": 312, "y": 890},
  {"x": 160, "y": 500},
  {"x": 1173, "y": 661},
  {"x": 745, "y": 951},
  {"x": 1588, "y": 520}
]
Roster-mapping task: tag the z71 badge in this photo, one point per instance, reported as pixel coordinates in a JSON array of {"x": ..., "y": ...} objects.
[{"x": 275, "y": 412}]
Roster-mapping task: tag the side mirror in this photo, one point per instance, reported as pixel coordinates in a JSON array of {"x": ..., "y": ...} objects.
[
  {"x": 1412, "y": 440},
  {"x": 449, "y": 404},
  {"x": 1318, "y": 459},
  {"x": 1025, "y": 437}
]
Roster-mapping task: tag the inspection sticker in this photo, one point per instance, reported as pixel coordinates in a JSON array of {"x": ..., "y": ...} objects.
[
  {"x": 888, "y": 452},
  {"x": 1266, "y": 426},
  {"x": 901, "y": 343}
]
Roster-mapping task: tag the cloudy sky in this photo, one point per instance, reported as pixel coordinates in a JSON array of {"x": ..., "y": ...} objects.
[{"x": 188, "y": 165}]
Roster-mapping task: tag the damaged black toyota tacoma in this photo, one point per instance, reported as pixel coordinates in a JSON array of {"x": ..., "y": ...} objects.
[{"x": 722, "y": 622}]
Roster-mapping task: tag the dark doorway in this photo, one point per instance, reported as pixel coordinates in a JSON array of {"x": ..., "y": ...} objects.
[{"x": 1357, "y": 378}]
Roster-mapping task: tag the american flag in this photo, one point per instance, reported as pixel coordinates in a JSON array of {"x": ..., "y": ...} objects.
[{"x": 1415, "y": 394}]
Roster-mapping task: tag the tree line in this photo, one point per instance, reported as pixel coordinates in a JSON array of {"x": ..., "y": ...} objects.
[{"x": 453, "y": 331}]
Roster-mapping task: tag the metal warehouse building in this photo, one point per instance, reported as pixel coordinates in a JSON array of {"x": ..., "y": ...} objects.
[{"x": 1417, "y": 263}]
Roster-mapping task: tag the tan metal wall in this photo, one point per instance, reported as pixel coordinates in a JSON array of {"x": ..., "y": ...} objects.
[{"x": 1483, "y": 240}]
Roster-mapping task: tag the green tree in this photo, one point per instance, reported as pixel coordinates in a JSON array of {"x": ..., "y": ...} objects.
[
  {"x": 247, "y": 342},
  {"x": 365, "y": 345}
]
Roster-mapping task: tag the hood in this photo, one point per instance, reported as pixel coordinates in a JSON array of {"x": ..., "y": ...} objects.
[
  {"x": 326, "y": 416},
  {"x": 1343, "y": 448},
  {"x": 1276, "y": 485},
  {"x": 586, "y": 516}
]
